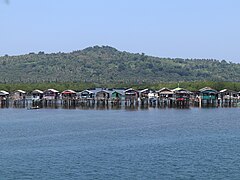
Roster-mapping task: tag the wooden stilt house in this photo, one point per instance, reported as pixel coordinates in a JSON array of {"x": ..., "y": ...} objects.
[
  {"x": 165, "y": 94},
  {"x": 68, "y": 95},
  {"x": 86, "y": 94},
  {"x": 4, "y": 95},
  {"x": 103, "y": 95},
  {"x": 19, "y": 95},
  {"x": 37, "y": 95},
  {"x": 147, "y": 96},
  {"x": 131, "y": 96},
  {"x": 50, "y": 94},
  {"x": 208, "y": 96},
  {"x": 143, "y": 94},
  {"x": 181, "y": 96},
  {"x": 228, "y": 96},
  {"x": 117, "y": 95}
]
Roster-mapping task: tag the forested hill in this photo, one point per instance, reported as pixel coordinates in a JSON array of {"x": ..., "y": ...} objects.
[{"x": 108, "y": 65}]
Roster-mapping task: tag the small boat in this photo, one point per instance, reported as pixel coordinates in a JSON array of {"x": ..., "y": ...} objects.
[{"x": 33, "y": 107}]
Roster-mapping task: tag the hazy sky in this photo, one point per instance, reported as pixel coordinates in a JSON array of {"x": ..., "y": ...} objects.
[{"x": 166, "y": 28}]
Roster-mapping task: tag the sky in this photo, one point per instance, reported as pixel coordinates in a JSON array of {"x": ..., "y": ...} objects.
[{"x": 207, "y": 29}]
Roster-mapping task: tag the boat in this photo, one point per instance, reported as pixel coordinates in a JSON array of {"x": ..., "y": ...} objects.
[{"x": 33, "y": 107}]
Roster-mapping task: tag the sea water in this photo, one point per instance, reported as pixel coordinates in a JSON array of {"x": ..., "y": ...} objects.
[{"x": 120, "y": 144}]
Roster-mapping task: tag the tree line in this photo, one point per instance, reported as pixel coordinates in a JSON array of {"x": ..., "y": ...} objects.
[{"x": 80, "y": 86}]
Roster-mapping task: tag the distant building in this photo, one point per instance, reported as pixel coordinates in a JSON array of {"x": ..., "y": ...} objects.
[
  {"x": 228, "y": 94},
  {"x": 37, "y": 94},
  {"x": 165, "y": 93},
  {"x": 69, "y": 94},
  {"x": 103, "y": 95},
  {"x": 4, "y": 95},
  {"x": 50, "y": 94},
  {"x": 131, "y": 94},
  {"x": 117, "y": 94},
  {"x": 19, "y": 95},
  {"x": 86, "y": 94},
  {"x": 208, "y": 94},
  {"x": 181, "y": 94}
]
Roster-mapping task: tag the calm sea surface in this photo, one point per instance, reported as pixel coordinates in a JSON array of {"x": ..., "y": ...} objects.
[{"x": 120, "y": 144}]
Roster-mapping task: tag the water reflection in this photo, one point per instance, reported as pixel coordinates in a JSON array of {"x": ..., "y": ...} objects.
[{"x": 104, "y": 107}]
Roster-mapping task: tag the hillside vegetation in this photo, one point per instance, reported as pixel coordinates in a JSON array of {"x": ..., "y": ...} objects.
[{"x": 107, "y": 65}]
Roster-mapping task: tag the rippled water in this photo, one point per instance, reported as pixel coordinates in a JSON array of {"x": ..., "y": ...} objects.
[{"x": 120, "y": 144}]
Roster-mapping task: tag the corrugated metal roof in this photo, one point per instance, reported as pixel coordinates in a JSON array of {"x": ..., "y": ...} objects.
[
  {"x": 88, "y": 91},
  {"x": 53, "y": 90},
  {"x": 120, "y": 91},
  {"x": 181, "y": 90},
  {"x": 130, "y": 89},
  {"x": 163, "y": 89},
  {"x": 207, "y": 89},
  {"x": 69, "y": 91},
  {"x": 227, "y": 90},
  {"x": 37, "y": 91},
  {"x": 21, "y": 91},
  {"x": 141, "y": 91},
  {"x": 178, "y": 89},
  {"x": 4, "y": 93}
]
